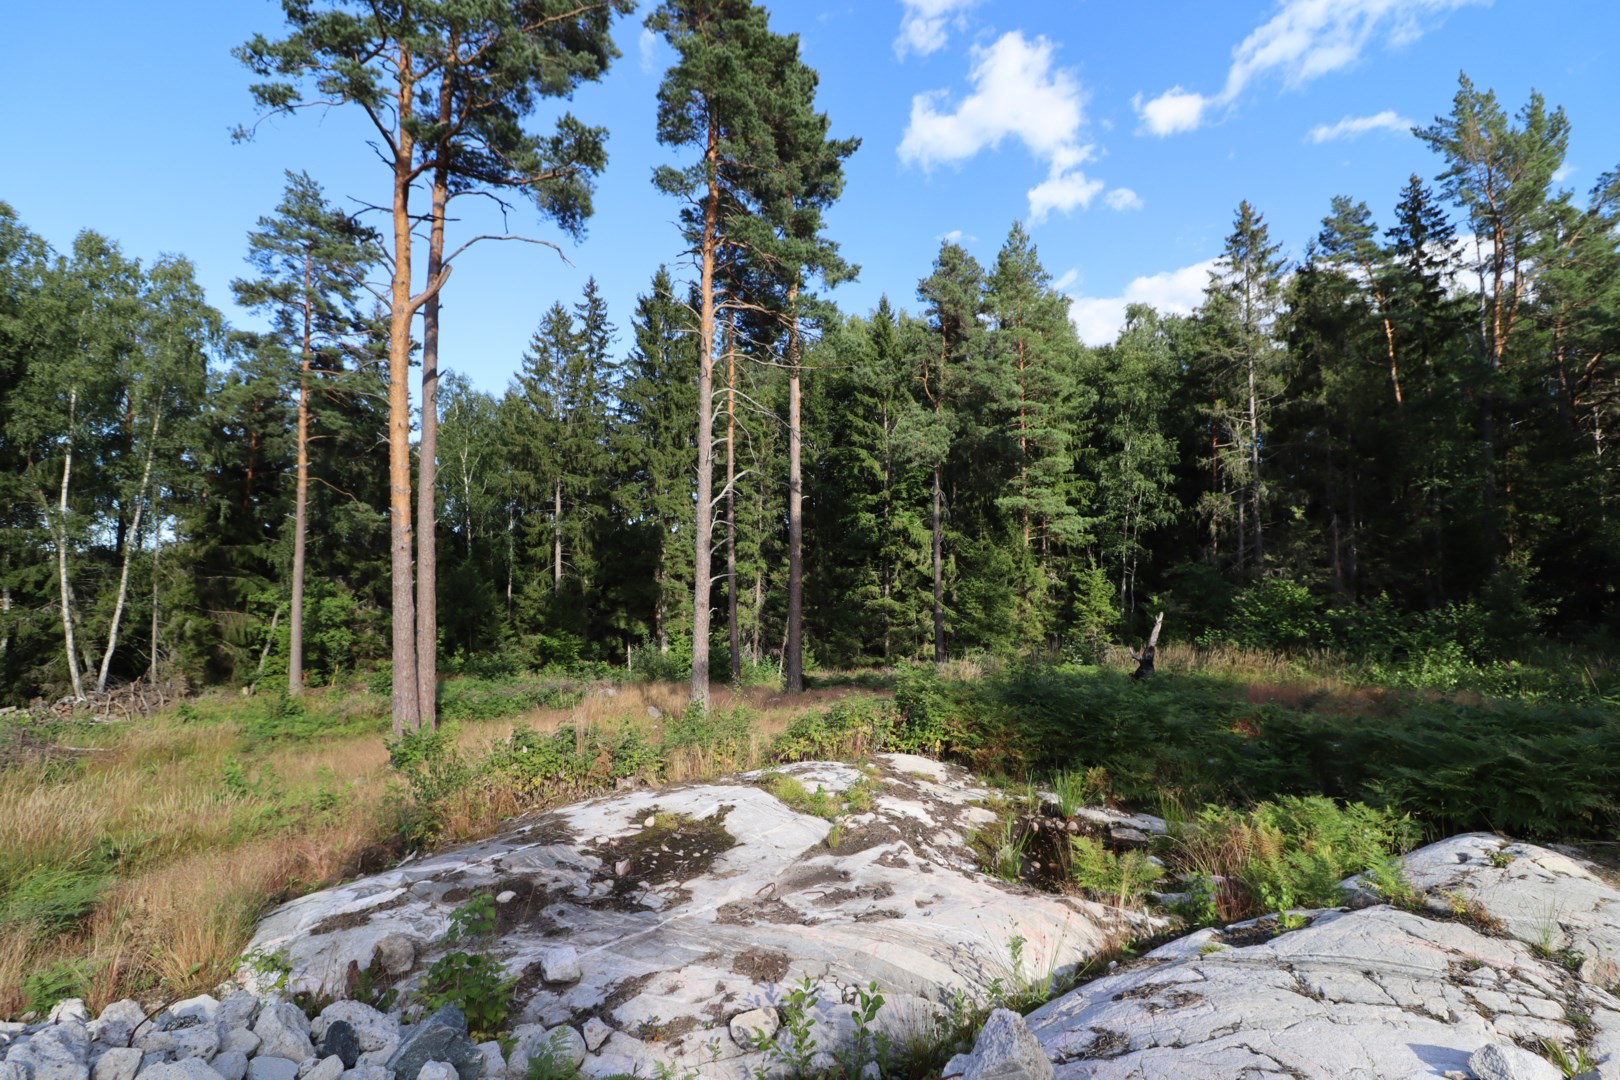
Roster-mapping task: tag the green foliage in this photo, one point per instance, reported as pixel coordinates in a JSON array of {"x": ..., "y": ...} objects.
[
  {"x": 849, "y": 729},
  {"x": 1075, "y": 788},
  {"x": 1275, "y": 614},
  {"x": 1121, "y": 880},
  {"x": 433, "y": 771},
  {"x": 793, "y": 1045},
  {"x": 1000, "y": 848},
  {"x": 478, "y": 699},
  {"x": 1541, "y": 769},
  {"x": 1291, "y": 853},
  {"x": 473, "y": 982},
  {"x": 45, "y": 986},
  {"x": 52, "y": 898}
]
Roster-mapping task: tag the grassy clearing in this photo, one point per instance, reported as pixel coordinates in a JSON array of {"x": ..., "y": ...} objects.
[
  {"x": 135, "y": 858},
  {"x": 137, "y": 863}
]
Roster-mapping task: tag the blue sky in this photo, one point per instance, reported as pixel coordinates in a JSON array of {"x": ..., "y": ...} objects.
[{"x": 1125, "y": 134}]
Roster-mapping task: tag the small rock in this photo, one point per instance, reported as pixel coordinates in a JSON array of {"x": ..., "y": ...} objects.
[
  {"x": 505, "y": 896},
  {"x": 283, "y": 1030},
  {"x": 960, "y": 1063},
  {"x": 266, "y": 1067},
  {"x": 1005, "y": 1050},
  {"x": 340, "y": 1041},
  {"x": 1125, "y": 836},
  {"x": 749, "y": 1028},
  {"x": 395, "y": 954},
  {"x": 437, "y": 1070},
  {"x": 190, "y": 1042},
  {"x": 372, "y": 1029},
  {"x": 327, "y": 1068},
  {"x": 368, "y": 1072},
  {"x": 560, "y": 964},
  {"x": 204, "y": 1007},
  {"x": 189, "y": 1069},
  {"x": 123, "y": 1012},
  {"x": 494, "y": 1060},
  {"x": 441, "y": 1037},
  {"x": 1500, "y": 1061},
  {"x": 241, "y": 1041},
  {"x": 232, "y": 1065},
  {"x": 595, "y": 1033},
  {"x": 119, "y": 1063},
  {"x": 238, "y": 1010},
  {"x": 654, "y": 712},
  {"x": 652, "y": 819},
  {"x": 70, "y": 1009}
]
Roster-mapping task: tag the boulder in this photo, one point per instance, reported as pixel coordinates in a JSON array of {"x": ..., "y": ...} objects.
[
  {"x": 119, "y": 1063},
  {"x": 368, "y": 1072},
  {"x": 437, "y": 1070},
  {"x": 1005, "y": 1050},
  {"x": 69, "y": 1009},
  {"x": 340, "y": 1042},
  {"x": 266, "y": 1067},
  {"x": 729, "y": 895},
  {"x": 395, "y": 953},
  {"x": 180, "y": 1043},
  {"x": 441, "y": 1037},
  {"x": 1374, "y": 992},
  {"x": 283, "y": 1032},
  {"x": 239, "y": 1040},
  {"x": 1504, "y": 1061},
  {"x": 372, "y": 1029},
  {"x": 232, "y": 1065},
  {"x": 187, "y": 1069},
  {"x": 326, "y": 1068}
]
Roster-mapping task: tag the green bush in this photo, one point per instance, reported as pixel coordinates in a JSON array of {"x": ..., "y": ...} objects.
[{"x": 473, "y": 982}]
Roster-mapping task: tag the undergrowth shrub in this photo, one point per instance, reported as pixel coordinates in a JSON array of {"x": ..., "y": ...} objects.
[
  {"x": 1291, "y": 853},
  {"x": 1118, "y": 879},
  {"x": 473, "y": 982},
  {"x": 1541, "y": 769}
]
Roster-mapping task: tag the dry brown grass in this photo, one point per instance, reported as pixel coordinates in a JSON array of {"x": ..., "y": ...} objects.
[{"x": 198, "y": 862}]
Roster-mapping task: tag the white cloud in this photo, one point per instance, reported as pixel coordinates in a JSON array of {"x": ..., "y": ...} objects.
[
  {"x": 1304, "y": 40},
  {"x": 1563, "y": 172},
  {"x": 1173, "y": 111},
  {"x": 1070, "y": 276},
  {"x": 1018, "y": 93},
  {"x": 1123, "y": 198},
  {"x": 647, "y": 45},
  {"x": 1098, "y": 319},
  {"x": 926, "y": 24},
  {"x": 1352, "y": 127}
]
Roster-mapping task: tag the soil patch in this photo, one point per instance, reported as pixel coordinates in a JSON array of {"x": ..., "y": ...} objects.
[{"x": 762, "y": 966}]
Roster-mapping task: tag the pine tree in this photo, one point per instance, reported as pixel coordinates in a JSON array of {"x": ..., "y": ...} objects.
[{"x": 312, "y": 259}]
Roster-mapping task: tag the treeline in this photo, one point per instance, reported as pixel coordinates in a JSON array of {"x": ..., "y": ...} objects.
[{"x": 1407, "y": 431}]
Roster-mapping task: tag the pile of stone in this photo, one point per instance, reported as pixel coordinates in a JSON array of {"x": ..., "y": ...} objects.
[{"x": 248, "y": 1037}]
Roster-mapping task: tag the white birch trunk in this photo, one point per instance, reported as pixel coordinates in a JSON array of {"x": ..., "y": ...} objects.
[{"x": 129, "y": 557}]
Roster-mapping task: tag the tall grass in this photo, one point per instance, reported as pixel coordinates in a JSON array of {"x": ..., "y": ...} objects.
[{"x": 137, "y": 864}]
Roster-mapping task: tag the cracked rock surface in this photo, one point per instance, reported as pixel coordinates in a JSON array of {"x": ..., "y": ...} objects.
[
  {"x": 688, "y": 906},
  {"x": 1509, "y": 949}
]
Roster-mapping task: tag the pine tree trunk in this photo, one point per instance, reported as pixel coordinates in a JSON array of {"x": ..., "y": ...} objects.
[
  {"x": 703, "y": 530},
  {"x": 794, "y": 660},
  {"x": 427, "y": 479},
  {"x": 939, "y": 572},
  {"x": 129, "y": 557},
  {"x": 62, "y": 556},
  {"x": 295, "y": 617},
  {"x": 406, "y": 704},
  {"x": 734, "y": 631}
]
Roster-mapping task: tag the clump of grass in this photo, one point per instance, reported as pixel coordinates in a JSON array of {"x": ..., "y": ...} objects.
[{"x": 1075, "y": 788}]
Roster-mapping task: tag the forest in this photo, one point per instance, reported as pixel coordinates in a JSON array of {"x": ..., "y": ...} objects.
[{"x": 1390, "y": 440}]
